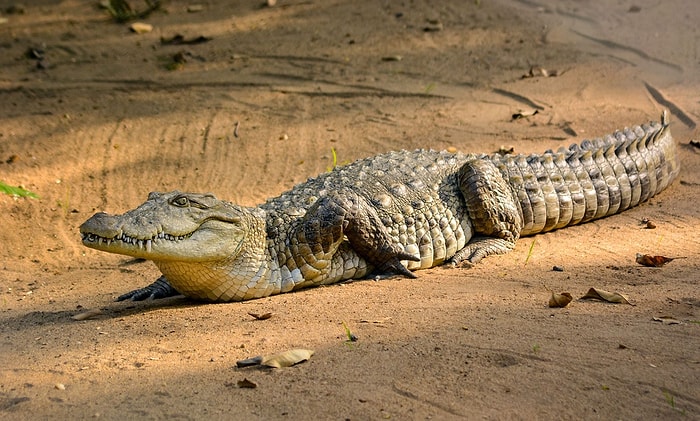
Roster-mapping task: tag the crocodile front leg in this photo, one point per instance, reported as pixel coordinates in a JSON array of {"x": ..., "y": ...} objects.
[
  {"x": 495, "y": 213},
  {"x": 346, "y": 215},
  {"x": 161, "y": 288}
]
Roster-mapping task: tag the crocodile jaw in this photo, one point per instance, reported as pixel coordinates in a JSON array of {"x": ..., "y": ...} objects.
[{"x": 213, "y": 240}]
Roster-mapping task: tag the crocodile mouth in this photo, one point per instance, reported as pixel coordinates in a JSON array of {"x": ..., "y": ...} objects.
[{"x": 125, "y": 240}]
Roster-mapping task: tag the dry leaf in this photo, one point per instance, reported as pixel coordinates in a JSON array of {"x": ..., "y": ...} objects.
[
  {"x": 246, "y": 384},
  {"x": 611, "y": 297},
  {"x": 524, "y": 114},
  {"x": 377, "y": 321},
  {"x": 180, "y": 39},
  {"x": 141, "y": 28},
  {"x": 263, "y": 316},
  {"x": 434, "y": 25},
  {"x": 536, "y": 71},
  {"x": 506, "y": 150},
  {"x": 667, "y": 320},
  {"x": 648, "y": 224},
  {"x": 560, "y": 300},
  {"x": 87, "y": 314},
  {"x": 652, "y": 261},
  {"x": 287, "y": 358},
  {"x": 248, "y": 362}
]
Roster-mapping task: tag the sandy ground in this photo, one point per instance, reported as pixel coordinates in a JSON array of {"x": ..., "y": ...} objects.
[{"x": 104, "y": 116}]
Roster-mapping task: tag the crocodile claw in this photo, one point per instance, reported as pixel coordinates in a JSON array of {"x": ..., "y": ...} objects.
[
  {"x": 393, "y": 264},
  {"x": 161, "y": 288}
]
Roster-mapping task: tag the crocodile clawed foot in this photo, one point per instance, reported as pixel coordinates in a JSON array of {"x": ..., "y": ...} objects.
[
  {"x": 393, "y": 265},
  {"x": 463, "y": 264},
  {"x": 480, "y": 247},
  {"x": 161, "y": 288}
]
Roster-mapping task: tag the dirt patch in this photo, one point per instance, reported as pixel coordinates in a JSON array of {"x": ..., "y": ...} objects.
[{"x": 94, "y": 117}]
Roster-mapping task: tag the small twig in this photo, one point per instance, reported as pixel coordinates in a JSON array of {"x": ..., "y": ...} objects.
[{"x": 235, "y": 129}]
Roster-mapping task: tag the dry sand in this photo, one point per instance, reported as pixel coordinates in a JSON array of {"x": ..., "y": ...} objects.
[{"x": 100, "y": 121}]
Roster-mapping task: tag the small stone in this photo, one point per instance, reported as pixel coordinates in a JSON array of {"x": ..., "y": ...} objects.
[
  {"x": 558, "y": 268},
  {"x": 59, "y": 386}
]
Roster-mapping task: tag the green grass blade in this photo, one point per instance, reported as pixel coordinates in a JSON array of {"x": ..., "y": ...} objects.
[{"x": 17, "y": 191}]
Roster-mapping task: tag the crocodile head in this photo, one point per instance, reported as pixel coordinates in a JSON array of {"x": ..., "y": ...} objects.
[{"x": 175, "y": 226}]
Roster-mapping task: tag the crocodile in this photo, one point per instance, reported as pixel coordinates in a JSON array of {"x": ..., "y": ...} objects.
[{"x": 386, "y": 215}]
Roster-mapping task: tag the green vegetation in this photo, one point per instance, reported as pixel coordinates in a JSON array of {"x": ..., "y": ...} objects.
[
  {"x": 334, "y": 162},
  {"x": 17, "y": 191},
  {"x": 529, "y": 253}
]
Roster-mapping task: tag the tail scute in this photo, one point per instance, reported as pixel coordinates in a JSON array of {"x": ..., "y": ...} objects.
[{"x": 595, "y": 178}]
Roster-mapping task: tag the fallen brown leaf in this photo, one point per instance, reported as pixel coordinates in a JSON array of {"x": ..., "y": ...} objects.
[
  {"x": 179, "y": 39},
  {"x": 611, "y": 297},
  {"x": 87, "y": 314},
  {"x": 263, "y": 316},
  {"x": 246, "y": 384},
  {"x": 287, "y": 358},
  {"x": 648, "y": 224},
  {"x": 652, "y": 261},
  {"x": 506, "y": 150},
  {"x": 141, "y": 28},
  {"x": 376, "y": 321},
  {"x": 536, "y": 71},
  {"x": 524, "y": 114},
  {"x": 249, "y": 362},
  {"x": 560, "y": 300},
  {"x": 667, "y": 320}
]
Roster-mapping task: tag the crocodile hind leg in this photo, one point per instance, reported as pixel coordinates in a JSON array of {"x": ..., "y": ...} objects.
[
  {"x": 161, "y": 288},
  {"x": 347, "y": 215},
  {"x": 494, "y": 212}
]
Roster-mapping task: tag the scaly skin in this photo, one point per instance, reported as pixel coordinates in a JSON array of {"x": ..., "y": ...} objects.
[{"x": 392, "y": 213}]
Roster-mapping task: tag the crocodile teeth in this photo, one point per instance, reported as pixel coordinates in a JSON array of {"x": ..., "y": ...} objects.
[{"x": 146, "y": 244}]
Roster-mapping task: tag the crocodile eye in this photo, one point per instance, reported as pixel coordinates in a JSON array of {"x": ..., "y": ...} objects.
[{"x": 181, "y": 201}]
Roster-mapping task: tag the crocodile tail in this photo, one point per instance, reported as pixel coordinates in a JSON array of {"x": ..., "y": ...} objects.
[{"x": 594, "y": 179}]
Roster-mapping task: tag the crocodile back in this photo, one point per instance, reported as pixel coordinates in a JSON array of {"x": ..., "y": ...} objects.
[{"x": 415, "y": 194}]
